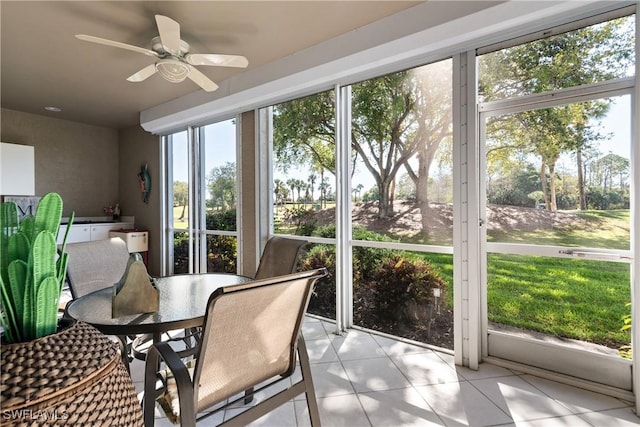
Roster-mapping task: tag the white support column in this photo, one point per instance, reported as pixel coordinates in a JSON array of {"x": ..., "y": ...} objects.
[
  {"x": 264, "y": 178},
  {"x": 165, "y": 213},
  {"x": 466, "y": 258},
  {"x": 197, "y": 219},
  {"x": 344, "y": 263},
  {"x": 635, "y": 224}
]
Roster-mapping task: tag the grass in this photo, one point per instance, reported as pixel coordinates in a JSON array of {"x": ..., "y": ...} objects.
[
  {"x": 579, "y": 299},
  {"x": 570, "y": 298}
]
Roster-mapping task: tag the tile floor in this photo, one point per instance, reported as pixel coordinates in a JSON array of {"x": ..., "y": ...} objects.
[{"x": 363, "y": 379}]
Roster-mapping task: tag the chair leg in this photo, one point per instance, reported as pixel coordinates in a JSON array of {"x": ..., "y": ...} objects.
[
  {"x": 248, "y": 396},
  {"x": 124, "y": 353},
  {"x": 310, "y": 393},
  {"x": 148, "y": 400}
]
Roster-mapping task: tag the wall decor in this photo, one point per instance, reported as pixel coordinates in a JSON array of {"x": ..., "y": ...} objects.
[{"x": 144, "y": 180}]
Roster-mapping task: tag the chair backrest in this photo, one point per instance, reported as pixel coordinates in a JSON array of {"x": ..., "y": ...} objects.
[
  {"x": 95, "y": 265},
  {"x": 279, "y": 257},
  {"x": 250, "y": 335}
]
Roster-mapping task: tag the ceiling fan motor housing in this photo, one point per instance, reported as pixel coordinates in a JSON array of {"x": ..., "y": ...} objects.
[{"x": 157, "y": 46}]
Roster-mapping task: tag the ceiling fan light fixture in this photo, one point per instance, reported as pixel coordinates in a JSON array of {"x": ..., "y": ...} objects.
[{"x": 172, "y": 70}]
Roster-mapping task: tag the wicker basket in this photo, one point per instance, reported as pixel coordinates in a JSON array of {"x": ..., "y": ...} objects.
[{"x": 73, "y": 377}]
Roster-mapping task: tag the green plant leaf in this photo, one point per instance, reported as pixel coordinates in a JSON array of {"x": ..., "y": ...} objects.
[
  {"x": 17, "y": 284},
  {"x": 61, "y": 267},
  {"x": 27, "y": 226},
  {"x": 47, "y": 295},
  {"x": 19, "y": 247},
  {"x": 63, "y": 247},
  {"x": 7, "y": 315},
  {"x": 49, "y": 214},
  {"x": 8, "y": 226},
  {"x": 43, "y": 264},
  {"x": 43, "y": 253}
]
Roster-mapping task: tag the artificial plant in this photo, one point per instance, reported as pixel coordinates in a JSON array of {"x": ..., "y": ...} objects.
[{"x": 31, "y": 270}]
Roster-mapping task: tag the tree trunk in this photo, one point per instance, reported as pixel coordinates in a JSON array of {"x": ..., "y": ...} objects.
[
  {"x": 386, "y": 204},
  {"x": 581, "y": 185},
  {"x": 543, "y": 182},
  {"x": 552, "y": 188},
  {"x": 422, "y": 192}
]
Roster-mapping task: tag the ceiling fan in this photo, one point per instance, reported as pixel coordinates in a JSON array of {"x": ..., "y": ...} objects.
[{"x": 174, "y": 61}]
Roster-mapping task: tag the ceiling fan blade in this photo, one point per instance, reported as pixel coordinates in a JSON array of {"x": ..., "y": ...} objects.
[
  {"x": 169, "y": 31},
  {"x": 143, "y": 74},
  {"x": 201, "y": 80},
  {"x": 217, "y": 60},
  {"x": 112, "y": 43}
]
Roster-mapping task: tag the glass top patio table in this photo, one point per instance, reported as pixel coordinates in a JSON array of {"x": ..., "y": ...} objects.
[{"x": 183, "y": 300}]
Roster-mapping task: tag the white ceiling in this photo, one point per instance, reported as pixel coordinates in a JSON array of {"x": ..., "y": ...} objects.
[{"x": 43, "y": 64}]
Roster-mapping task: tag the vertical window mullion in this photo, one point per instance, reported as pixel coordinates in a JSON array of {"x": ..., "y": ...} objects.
[
  {"x": 344, "y": 267},
  {"x": 635, "y": 220},
  {"x": 166, "y": 202},
  {"x": 193, "y": 262},
  {"x": 199, "y": 218},
  {"x": 466, "y": 261}
]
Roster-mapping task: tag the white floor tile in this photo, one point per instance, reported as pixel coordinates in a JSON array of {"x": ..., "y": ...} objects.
[
  {"x": 283, "y": 416},
  {"x": 335, "y": 411},
  {"x": 397, "y": 348},
  {"x": 313, "y": 329},
  {"x": 425, "y": 369},
  {"x": 567, "y": 421},
  {"x": 623, "y": 417},
  {"x": 576, "y": 399},
  {"x": 461, "y": 404},
  {"x": 357, "y": 345},
  {"x": 330, "y": 379},
  {"x": 374, "y": 374},
  {"x": 399, "y": 407},
  {"x": 321, "y": 351},
  {"x": 519, "y": 399},
  {"x": 485, "y": 370}
]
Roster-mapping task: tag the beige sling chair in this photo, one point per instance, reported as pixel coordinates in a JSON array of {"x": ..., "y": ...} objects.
[
  {"x": 95, "y": 265},
  {"x": 280, "y": 256},
  {"x": 251, "y": 335}
]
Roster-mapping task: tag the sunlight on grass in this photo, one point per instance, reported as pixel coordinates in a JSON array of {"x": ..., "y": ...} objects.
[{"x": 569, "y": 298}]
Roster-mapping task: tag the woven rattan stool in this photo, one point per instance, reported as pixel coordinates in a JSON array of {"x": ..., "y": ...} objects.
[{"x": 73, "y": 377}]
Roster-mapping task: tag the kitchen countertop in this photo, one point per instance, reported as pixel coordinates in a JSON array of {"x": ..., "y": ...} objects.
[{"x": 80, "y": 220}]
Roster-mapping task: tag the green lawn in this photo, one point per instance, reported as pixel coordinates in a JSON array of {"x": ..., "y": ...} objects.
[{"x": 569, "y": 298}]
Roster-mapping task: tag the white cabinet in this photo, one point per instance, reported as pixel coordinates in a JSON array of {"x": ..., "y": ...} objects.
[
  {"x": 77, "y": 233},
  {"x": 87, "y": 232},
  {"x": 101, "y": 231}
]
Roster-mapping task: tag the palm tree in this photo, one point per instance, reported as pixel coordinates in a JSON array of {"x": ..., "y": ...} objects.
[{"x": 312, "y": 181}]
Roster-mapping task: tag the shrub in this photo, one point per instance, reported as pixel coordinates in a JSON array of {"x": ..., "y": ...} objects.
[
  {"x": 402, "y": 289},
  {"x": 303, "y": 219},
  {"x": 221, "y": 220},
  {"x": 369, "y": 258},
  {"x": 323, "y": 300},
  {"x": 221, "y": 254},
  {"x": 364, "y": 259}
]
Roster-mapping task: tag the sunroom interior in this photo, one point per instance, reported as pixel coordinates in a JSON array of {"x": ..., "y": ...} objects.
[{"x": 448, "y": 199}]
